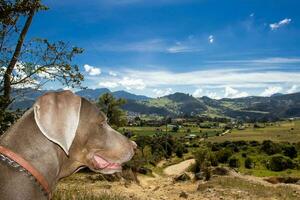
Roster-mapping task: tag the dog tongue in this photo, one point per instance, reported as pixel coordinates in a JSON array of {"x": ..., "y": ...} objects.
[{"x": 103, "y": 164}]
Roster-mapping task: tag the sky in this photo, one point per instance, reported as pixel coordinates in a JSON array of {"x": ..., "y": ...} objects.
[{"x": 214, "y": 48}]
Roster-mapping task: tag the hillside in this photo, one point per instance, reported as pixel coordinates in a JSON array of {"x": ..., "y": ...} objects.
[
  {"x": 180, "y": 104},
  {"x": 248, "y": 108}
]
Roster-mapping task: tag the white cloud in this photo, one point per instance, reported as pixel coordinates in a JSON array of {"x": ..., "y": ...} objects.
[
  {"x": 271, "y": 60},
  {"x": 293, "y": 89},
  {"x": 211, "y": 39},
  {"x": 153, "y": 45},
  {"x": 198, "y": 92},
  {"x": 108, "y": 84},
  {"x": 92, "y": 71},
  {"x": 271, "y": 90},
  {"x": 112, "y": 73},
  {"x": 132, "y": 83},
  {"x": 213, "y": 95},
  {"x": 237, "y": 78},
  {"x": 252, "y": 14},
  {"x": 162, "y": 92},
  {"x": 180, "y": 48},
  {"x": 279, "y": 24},
  {"x": 234, "y": 93}
]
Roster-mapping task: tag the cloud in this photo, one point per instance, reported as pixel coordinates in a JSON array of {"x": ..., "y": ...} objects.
[
  {"x": 293, "y": 89},
  {"x": 271, "y": 60},
  {"x": 279, "y": 24},
  {"x": 180, "y": 48},
  {"x": 108, "y": 84},
  {"x": 153, "y": 45},
  {"x": 92, "y": 71},
  {"x": 237, "y": 78},
  {"x": 162, "y": 92},
  {"x": 132, "y": 83},
  {"x": 252, "y": 14},
  {"x": 213, "y": 95},
  {"x": 112, "y": 73},
  {"x": 198, "y": 92},
  {"x": 271, "y": 90},
  {"x": 211, "y": 39},
  {"x": 233, "y": 93}
]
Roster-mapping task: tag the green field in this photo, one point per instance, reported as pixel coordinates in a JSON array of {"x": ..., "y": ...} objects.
[
  {"x": 147, "y": 130},
  {"x": 285, "y": 131}
]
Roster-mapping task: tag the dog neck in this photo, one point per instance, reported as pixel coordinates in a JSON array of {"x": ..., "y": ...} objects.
[{"x": 25, "y": 139}]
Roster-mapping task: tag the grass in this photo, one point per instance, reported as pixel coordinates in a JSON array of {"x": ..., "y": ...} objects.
[
  {"x": 278, "y": 132},
  {"x": 86, "y": 186},
  {"x": 74, "y": 194},
  {"x": 231, "y": 186}
]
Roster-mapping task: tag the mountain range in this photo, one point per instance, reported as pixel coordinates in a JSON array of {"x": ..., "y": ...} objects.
[{"x": 179, "y": 104}]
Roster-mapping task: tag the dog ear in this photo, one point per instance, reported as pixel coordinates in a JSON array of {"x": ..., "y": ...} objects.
[{"x": 57, "y": 116}]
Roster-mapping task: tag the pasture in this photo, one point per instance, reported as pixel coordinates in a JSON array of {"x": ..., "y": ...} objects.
[{"x": 285, "y": 131}]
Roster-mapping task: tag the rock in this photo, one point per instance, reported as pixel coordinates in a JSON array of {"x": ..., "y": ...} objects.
[
  {"x": 183, "y": 195},
  {"x": 182, "y": 177},
  {"x": 298, "y": 182}
]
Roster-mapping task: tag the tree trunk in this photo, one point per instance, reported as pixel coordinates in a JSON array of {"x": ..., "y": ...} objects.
[{"x": 7, "y": 76}]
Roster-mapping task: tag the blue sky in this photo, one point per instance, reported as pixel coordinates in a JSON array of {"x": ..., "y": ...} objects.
[{"x": 231, "y": 48}]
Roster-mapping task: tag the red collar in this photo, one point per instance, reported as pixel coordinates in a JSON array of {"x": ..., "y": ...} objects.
[{"x": 26, "y": 165}]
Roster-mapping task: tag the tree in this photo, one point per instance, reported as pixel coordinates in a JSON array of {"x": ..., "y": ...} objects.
[
  {"x": 111, "y": 107},
  {"x": 34, "y": 62}
]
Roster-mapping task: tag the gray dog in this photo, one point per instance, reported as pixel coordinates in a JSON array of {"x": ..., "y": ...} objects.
[{"x": 59, "y": 135}]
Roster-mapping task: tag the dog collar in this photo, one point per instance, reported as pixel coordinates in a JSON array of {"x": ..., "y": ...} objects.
[{"x": 16, "y": 161}]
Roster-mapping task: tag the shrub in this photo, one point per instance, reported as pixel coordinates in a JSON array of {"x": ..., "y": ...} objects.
[
  {"x": 270, "y": 147},
  {"x": 234, "y": 162},
  {"x": 254, "y": 143},
  {"x": 244, "y": 155},
  {"x": 215, "y": 147},
  {"x": 279, "y": 162},
  {"x": 290, "y": 151},
  {"x": 248, "y": 163},
  {"x": 223, "y": 155}
]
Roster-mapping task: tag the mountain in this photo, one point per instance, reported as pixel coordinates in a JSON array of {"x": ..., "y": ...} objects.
[
  {"x": 25, "y": 97},
  {"x": 180, "y": 104},
  {"x": 126, "y": 95},
  {"x": 247, "y": 108},
  {"x": 92, "y": 94}
]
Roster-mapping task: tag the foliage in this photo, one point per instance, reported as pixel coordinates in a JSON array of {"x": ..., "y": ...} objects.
[
  {"x": 33, "y": 62},
  {"x": 248, "y": 163},
  {"x": 223, "y": 155},
  {"x": 111, "y": 107},
  {"x": 290, "y": 151},
  {"x": 279, "y": 162},
  {"x": 7, "y": 118},
  {"x": 270, "y": 147},
  {"x": 234, "y": 162}
]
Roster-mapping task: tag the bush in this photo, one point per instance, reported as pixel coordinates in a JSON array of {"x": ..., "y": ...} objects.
[
  {"x": 290, "y": 151},
  {"x": 270, "y": 147},
  {"x": 279, "y": 162},
  {"x": 223, "y": 155},
  {"x": 234, "y": 162},
  {"x": 248, "y": 163}
]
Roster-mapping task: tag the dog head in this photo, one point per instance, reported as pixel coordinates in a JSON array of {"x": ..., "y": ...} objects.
[{"x": 82, "y": 131}]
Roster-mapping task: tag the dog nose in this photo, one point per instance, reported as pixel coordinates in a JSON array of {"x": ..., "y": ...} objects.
[{"x": 134, "y": 144}]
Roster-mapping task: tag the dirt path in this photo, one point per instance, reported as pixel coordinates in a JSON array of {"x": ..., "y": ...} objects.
[
  {"x": 178, "y": 168},
  {"x": 163, "y": 187}
]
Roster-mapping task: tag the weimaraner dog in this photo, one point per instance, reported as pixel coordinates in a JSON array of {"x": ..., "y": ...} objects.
[{"x": 61, "y": 134}]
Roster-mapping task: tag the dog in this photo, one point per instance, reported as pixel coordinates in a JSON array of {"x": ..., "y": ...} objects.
[{"x": 59, "y": 135}]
